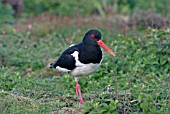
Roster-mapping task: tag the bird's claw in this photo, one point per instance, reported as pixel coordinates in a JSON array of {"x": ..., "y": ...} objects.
[{"x": 82, "y": 102}]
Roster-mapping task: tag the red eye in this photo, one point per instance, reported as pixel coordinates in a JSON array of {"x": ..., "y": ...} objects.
[{"x": 92, "y": 35}]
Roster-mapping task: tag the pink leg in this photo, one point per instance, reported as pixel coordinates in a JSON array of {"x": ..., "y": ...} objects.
[{"x": 78, "y": 92}]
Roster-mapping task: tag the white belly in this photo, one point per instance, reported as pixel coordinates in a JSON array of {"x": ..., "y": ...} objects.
[
  {"x": 60, "y": 69},
  {"x": 84, "y": 69}
]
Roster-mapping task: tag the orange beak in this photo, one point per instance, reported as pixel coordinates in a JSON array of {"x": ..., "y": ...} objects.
[{"x": 104, "y": 46}]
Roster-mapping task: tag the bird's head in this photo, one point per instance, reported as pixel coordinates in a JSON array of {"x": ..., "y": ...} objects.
[{"x": 93, "y": 37}]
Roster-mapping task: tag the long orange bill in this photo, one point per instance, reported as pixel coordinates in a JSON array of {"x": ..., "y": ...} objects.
[{"x": 104, "y": 46}]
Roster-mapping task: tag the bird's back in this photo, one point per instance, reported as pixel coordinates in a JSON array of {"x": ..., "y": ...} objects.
[
  {"x": 66, "y": 60},
  {"x": 79, "y": 59}
]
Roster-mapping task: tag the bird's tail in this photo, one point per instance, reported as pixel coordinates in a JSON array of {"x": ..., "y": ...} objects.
[{"x": 53, "y": 65}]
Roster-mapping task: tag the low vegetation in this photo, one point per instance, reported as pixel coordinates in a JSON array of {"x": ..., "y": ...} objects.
[{"x": 136, "y": 80}]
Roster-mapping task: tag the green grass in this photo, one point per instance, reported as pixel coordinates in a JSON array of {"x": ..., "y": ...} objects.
[{"x": 136, "y": 80}]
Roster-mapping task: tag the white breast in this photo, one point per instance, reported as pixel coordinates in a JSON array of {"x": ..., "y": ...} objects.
[{"x": 83, "y": 69}]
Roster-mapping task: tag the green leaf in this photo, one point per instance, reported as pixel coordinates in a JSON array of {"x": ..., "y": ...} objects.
[{"x": 144, "y": 105}]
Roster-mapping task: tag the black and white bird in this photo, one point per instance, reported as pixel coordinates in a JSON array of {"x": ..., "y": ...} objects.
[{"x": 83, "y": 58}]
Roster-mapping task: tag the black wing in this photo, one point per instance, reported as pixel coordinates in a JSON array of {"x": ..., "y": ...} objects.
[{"x": 66, "y": 60}]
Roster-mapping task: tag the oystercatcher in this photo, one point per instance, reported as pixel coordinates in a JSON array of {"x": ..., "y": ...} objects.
[{"x": 83, "y": 58}]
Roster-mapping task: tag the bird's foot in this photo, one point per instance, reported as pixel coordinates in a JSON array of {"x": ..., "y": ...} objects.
[
  {"x": 78, "y": 92},
  {"x": 82, "y": 102}
]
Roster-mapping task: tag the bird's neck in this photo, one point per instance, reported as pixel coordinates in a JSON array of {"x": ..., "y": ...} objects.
[
  {"x": 91, "y": 48},
  {"x": 90, "y": 54}
]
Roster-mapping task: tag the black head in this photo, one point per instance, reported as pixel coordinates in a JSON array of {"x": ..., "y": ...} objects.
[{"x": 91, "y": 37}]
